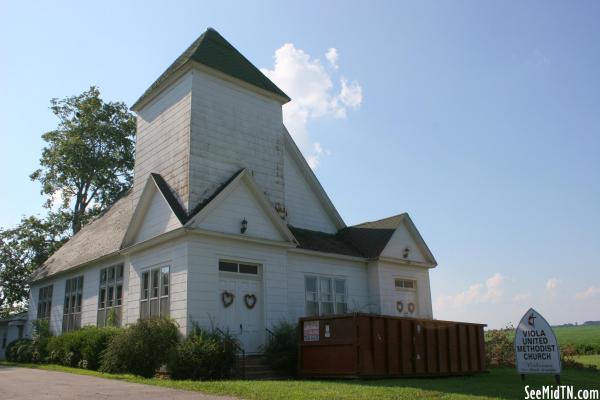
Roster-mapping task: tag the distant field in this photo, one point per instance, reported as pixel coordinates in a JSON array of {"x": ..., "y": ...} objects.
[
  {"x": 582, "y": 337},
  {"x": 579, "y": 335}
]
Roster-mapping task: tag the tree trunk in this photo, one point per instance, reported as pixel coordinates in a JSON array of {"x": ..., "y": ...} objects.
[{"x": 77, "y": 212}]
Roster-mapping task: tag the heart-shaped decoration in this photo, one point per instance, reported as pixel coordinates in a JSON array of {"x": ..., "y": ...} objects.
[
  {"x": 250, "y": 300},
  {"x": 227, "y": 298},
  {"x": 399, "y": 306}
]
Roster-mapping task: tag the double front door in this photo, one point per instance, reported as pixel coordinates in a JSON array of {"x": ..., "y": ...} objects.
[{"x": 241, "y": 310}]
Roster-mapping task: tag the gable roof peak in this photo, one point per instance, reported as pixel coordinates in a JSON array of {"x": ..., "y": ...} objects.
[
  {"x": 385, "y": 223},
  {"x": 211, "y": 49}
]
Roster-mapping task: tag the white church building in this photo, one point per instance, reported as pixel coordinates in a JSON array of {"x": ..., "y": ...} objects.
[{"x": 226, "y": 224}]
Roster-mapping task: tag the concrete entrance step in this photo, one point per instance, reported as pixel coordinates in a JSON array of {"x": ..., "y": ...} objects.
[{"x": 255, "y": 368}]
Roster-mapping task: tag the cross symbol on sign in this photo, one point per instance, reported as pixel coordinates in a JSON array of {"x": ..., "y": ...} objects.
[{"x": 531, "y": 320}]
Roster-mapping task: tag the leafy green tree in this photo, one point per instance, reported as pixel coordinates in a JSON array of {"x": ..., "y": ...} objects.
[
  {"x": 22, "y": 250},
  {"x": 88, "y": 160}
]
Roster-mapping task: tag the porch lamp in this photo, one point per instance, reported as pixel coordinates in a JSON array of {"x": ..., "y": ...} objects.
[{"x": 244, "y": 226}]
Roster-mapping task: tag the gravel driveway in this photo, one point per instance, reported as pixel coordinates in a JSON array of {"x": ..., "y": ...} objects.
[{"x": 25, "y": 383}]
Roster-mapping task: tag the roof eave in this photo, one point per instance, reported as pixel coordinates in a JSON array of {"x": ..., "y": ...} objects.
[{"x": 169, "y": 77}]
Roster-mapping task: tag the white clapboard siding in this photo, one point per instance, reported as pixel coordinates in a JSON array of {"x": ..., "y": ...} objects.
[
  {"x": 173, "y": 253},
  {"x": 204, "y": 301},
  {"x": 300, "y": 265},
  {"x": 400, "y": 240},
  {"x": 304, "y": 210},
  {"x": 238, "y": 205},
  {"x": 91, "y": 287},
  {"x": 233, "y": 128},
  {"x": 388, "y": 272},
  {"x": 159, "y": 218},
  {"x": 162, "y": 141}
]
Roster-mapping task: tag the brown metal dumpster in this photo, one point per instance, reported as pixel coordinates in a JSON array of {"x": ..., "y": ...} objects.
[{"x": 362, "y": 345}]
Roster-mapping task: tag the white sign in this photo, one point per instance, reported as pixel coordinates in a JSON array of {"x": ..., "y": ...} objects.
[
  {"x": 311, "y": 331},
  {"x": 536, "y": 349}
]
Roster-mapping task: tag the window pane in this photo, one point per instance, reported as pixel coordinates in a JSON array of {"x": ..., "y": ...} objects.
[
  {"x": 111, "y": 274},
  {"x": 340, "y": 286},
  {"x": 326, "y": 308},
  {"x": 101, "y": 317},
  {"x": 325, "y": 287},
  {"x": 249, "y": 269},
  {"x": 102, "y": 298},
  {"x": 341, "y": 308},
  {"x": 120, "y": 272},
  {"x": 80, "y": 284},
  {"x": 164, "y": 307},
  {"x": 144, "y": 309},
  {"x": 312, "y": 296},
  {"x": 154, "y": 308},
  {"x": 103, "y": 276},
  {"x": 66, "y": 305},
  {"x": 311, "y": 284},
  {"x": 312, "y": 308},
  {"x": 146, "y": 284},
  {"x": 119, "y": 299},
  {"x": 155, "y": 283},
  {"x": 165, "y": 284},
  {"x": 79, "y": 298},
  {"x": 110, "y": 296},
  {"x": 228, "y": 266}
]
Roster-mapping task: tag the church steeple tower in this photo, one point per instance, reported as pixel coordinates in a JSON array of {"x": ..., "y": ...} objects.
[{"x": 209, "y": 114}]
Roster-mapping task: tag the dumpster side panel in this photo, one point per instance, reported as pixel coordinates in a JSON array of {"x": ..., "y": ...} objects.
[
  {"x": 442, "y": 338},
  {"x": 393, "y": 347},
  {"x": 380, "y": 346},
  {"x": 406, "y": 346}
]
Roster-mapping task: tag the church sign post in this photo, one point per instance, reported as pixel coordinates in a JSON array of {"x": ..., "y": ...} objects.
[{"x": 536, "y": 348}]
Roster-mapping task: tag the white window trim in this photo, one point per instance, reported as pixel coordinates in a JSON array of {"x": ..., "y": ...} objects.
[
  {"x": 333, "y": 279},
  {"x": 238, "y": 274},
  {"x": 413, "y": 289},
  {"x": 106, "y": 285},
  {"x": 46, "y": 301},
  {"x": 72, "y": 314},
  {"x": 150, "y": 270}
]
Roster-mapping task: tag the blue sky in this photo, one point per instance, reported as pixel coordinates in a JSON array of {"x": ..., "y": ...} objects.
[{"x": 480, "y": 119}]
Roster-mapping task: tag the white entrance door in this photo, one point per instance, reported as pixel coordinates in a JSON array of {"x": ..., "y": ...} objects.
[{"x": 240, "y": 300}]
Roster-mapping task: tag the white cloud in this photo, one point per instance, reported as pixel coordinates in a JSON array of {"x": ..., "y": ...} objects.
[
  {"x": 522, "y": 297},
  {"x": 490, "y": 292},
  {"x": 552, "y": 286},
  {"x": 332, "y": 56},
  {"x": 590, "y": 292},
  {"x": 351, "y": 94},
  {"x": 314, "y": 95}
]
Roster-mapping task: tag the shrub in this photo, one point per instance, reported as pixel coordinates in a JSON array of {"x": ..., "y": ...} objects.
[
  {"x": 499, "y": 347},
  {"x": 202, "y": 355},
  {"x": 281, "y": 352},
  {"x": 20, "y": 350},
  {"x": 81, "y": 348},
  {"x": 40, "y": 336},
  {"x": 141, "y": 348},
  {"x": 586, "y": 349}
]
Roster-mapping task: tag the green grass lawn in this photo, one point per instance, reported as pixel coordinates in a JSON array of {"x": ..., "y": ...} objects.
[{"x": 501, "y": 383}]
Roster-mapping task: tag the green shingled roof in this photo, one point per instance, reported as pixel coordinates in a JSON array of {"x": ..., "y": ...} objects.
[{"x": 212, "y": 50}]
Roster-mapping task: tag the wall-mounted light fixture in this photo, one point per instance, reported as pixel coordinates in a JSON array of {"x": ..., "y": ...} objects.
[
  {"x": 405, "y": 253},
  {"x": 244, "y": 226}
]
